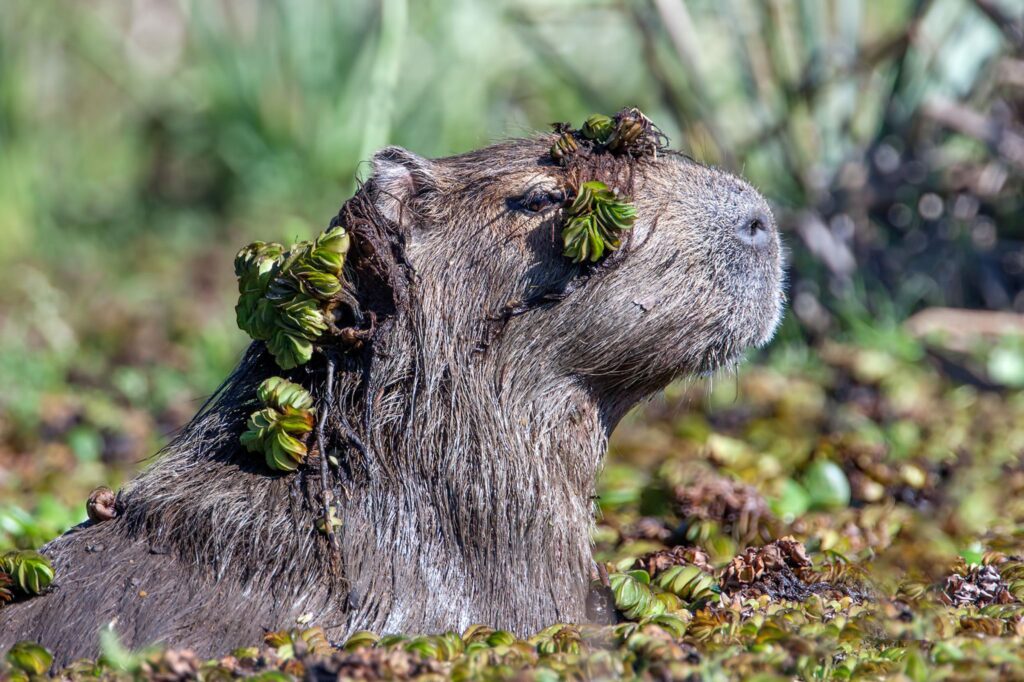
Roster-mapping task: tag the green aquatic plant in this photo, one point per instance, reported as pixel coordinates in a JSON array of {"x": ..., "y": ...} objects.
[
  {"x": 254, "y": 265},
  {"x": 30, "y": 658},
  {"x": 598, "y": 215},
  {"x": 285, "y": 297},
  {"x": 827, "y": 485},
  {"x": 500, "y": 638},
  {"x": 360, "y": 639},
  {"x": 278, "y": 430},
  {"x": 689, "y": 583},
  {"x": 445, "y": 647},
  {"x": 6, "y": 585},
  {"x": 564, "y": 147},
  {"x": 872, "y": 584},
  {"x": 597, "y": 218},
  {"x": 598, "y": 128},
  {"x": 631, "y": 125},
  {"x": 31, "y": 572},
  {"x": 672, "y": 623},
  {"x": 559, "y": 638},
  {"x": 629, "y": 132},
  {"x": 289, "y": 643},
  {"x": 633, "y": 594}
]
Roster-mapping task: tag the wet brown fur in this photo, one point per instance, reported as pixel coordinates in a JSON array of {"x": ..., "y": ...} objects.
[{"x": 469, "y": 449}]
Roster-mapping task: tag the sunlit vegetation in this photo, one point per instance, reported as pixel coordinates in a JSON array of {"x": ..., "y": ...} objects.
[{"x": 849, "y": 505}]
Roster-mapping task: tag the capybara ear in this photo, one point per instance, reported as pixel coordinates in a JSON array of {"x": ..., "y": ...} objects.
[{"x": 399, "y": 176}]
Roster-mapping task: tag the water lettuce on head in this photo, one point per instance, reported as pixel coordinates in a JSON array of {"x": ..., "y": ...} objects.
[{"x": 285, "y": 296}]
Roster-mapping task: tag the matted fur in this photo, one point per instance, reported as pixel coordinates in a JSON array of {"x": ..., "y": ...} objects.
[{"x": 470, "y": 428}]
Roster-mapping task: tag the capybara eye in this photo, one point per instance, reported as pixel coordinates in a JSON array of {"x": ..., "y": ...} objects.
[{"x": 537, "y": 201}]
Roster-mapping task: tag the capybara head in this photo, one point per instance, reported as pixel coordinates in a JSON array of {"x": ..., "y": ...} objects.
[{"x": 698, "y": 279}]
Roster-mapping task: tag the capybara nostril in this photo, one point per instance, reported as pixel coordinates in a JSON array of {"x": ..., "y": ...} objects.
[{"x": 755, "y": 229}]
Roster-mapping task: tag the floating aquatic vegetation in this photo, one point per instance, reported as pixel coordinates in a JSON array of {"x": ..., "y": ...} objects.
[
  {"x": 780, "y": 570},
  {"x": 6, "y": 587},
  {"x": 647, "y": 528},
  {"x": 30, "y": 658},
  {"x": 627, "y": 132},
  {"x": 360, "y": 639},
  {"x": 379, "y": 664},
  {"x": 868, "y": 590},
  {"x": 874, "y": 476},
  {"x": 290, "y": 643},
  {"x": 631, "y": 126},
  {"x": 689, "y": 583},
  {"x": 596, "y": 220},
  {"x": 446, "y": 647},
  {"x": 30, "y": 572},
  {"x": 500, "y": 638},
  {"x": 658, "y": 561},
  {"x": 976, "y": 585},
  {"x": 278, "y": 430},
  {"x": 558, "y": 638},
  {"x": 286, "y": 297},
  {"x": 600, "y": 213},
  {"x": 827, "y": 485},
  {"x": 171, "y": 664},
  {"x": 633, "y": 595},
  {"x": 598, "y": 128},
  {"x": 564, "y": 147},
  {"x": 712, "y": 503}
]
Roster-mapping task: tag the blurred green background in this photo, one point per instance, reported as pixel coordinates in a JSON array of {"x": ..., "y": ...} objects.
[{"x": 142, "y": 142}]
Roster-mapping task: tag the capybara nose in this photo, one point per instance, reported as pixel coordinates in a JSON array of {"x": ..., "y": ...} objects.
[{"x": 755, "y": 229}]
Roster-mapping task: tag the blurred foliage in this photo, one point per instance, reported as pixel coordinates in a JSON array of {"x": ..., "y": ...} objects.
[{"x": 144, "y": 141}]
